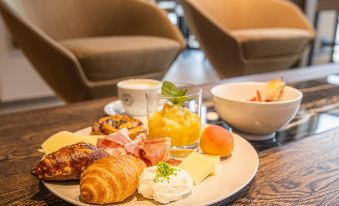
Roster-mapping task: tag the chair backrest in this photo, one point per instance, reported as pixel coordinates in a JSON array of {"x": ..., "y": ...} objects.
[
  {"x": 212, "y": 21},
  {"x": 241, "y": 14},
  {"x": 226, "y": 12},
  {"x": 221, "y": 49},
  {"x": 65, "y": 19}
]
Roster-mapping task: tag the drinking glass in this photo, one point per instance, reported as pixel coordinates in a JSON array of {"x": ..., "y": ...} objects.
[{"x": 175, "y": 117}]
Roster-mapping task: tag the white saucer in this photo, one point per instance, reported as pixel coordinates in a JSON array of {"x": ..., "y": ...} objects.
[{"x": 114, "y": 108}]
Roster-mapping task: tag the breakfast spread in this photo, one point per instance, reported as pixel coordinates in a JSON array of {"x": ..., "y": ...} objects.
[
  {"x": 119, "y": 158},
  {"x": 68, "y": 162},
  {"x": 113, "y": 167},
  {"x": 111, "y": 179},
  {"x": 274, "y": 91},
  {"x": 165, "y": 183},
  {"x": 108, "y": 124}
]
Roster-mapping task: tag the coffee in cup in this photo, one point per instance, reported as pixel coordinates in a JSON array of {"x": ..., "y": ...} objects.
[{"x": 132, "y": 94}]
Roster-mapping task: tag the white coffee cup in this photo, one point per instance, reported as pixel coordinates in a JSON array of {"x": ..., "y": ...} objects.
[{"x": 132, "y": 95}]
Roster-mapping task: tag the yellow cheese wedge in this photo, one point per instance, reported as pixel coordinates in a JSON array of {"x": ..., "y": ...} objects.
[
  {"x": 216, "y": 161},
  {"x": 62, "y": 139},
  {"x": 198, "y": 166}
]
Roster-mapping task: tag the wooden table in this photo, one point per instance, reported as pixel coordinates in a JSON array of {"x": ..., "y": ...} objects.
[{"x": 304, "y": 171}]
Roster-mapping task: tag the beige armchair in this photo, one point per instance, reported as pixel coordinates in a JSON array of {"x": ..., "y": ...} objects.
[
  {"x": 82, "y": 48},
  {"x": 249, "y": 36}
]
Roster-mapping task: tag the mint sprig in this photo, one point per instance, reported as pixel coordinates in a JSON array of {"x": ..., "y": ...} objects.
[{"x": 176, "y": 95}]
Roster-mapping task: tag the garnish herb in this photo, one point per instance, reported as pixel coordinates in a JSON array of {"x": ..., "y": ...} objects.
[
  {"x": 177, "y": 95},
  {"x": 163, "y": 172}
]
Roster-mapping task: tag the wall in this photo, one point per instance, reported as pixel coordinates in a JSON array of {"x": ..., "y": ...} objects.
[{"x": 18, "y": 79}]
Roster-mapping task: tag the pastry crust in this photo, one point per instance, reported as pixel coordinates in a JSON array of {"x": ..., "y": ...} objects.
[
  {"x": 110, "y": 124},
  {"x": 111, "y": 179},
  {"x": 68, "y": 162}
]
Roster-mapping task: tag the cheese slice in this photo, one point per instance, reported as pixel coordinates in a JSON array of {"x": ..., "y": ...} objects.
[
  {"x": 216, "y": 161},
  {"x": 62, "y": 139},
  {"x": 198, "y": 166}
]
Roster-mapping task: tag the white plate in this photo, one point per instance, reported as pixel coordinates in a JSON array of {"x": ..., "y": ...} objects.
[
  {"x": 234, "y": 174},
  {"x": 114, "y": 108}
]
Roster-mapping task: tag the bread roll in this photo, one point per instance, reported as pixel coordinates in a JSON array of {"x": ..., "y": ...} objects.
[{"x": 111, "y": 179}]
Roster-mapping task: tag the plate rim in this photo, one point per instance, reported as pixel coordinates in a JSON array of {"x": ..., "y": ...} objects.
[{"x": 251, "y": 177}]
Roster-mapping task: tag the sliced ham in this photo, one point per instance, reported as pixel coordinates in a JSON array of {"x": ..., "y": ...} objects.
[
  {"x": 115, "y": 143},
  {"x": 117, "y": 139},
  {"x": 133, "y": 147},
  {"x": 155, "y": 150},
  {"x": 150, "y": 151}
]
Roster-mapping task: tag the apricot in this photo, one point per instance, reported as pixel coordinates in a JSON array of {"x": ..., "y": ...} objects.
[{"x": 216, "y": 140}]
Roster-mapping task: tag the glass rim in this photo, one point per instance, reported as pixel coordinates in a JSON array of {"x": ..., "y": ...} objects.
[{"x": 193, "y": 94}]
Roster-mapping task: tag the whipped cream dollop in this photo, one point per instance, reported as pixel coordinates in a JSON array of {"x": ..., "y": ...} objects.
[{"x": 178, "y": 186}]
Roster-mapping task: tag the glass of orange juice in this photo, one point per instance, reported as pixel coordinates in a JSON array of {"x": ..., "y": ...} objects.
[{"x": 176, "y": 117}]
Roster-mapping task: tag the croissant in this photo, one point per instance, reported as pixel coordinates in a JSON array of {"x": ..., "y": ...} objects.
[{"x": 111, "y": 179}]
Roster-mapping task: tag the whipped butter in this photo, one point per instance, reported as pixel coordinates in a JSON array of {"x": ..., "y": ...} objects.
[{"x": 176, "y": 187}]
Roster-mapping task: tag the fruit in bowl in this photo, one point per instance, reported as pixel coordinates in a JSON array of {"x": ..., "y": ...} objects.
[
  {"x": 274, "y": 91},
  {"x": 261, "y": 119}
]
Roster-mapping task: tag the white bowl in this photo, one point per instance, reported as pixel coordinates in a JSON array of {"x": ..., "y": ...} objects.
[{"x": 258, "y": 118}]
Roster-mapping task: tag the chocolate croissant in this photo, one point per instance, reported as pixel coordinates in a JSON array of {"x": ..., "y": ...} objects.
[
  {"x": 111, "y": 179},
  {"x": 68, "y": 162}
]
